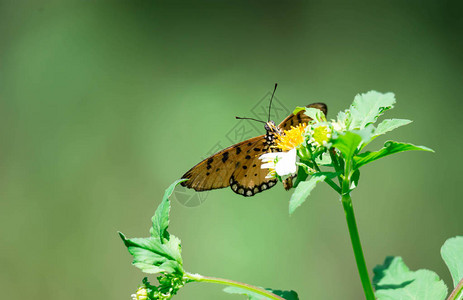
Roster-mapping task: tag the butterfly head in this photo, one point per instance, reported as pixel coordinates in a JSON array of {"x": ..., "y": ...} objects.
[
  {"x": 270, "y": 126},
  {"x": 272, "y": 131}
]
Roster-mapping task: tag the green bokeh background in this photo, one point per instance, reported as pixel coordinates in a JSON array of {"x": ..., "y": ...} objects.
[{"x": 104, "y": 104}]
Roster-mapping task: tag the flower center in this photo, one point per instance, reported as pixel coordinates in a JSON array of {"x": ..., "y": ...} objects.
[
  {"x": 291, "y": 138},
  {"x": 321, "y": 135}
]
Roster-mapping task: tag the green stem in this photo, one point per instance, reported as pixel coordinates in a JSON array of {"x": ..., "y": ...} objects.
[
  {"x": 354, "y": 235},
  {"x": 254, "y": 289},
  {"x": 357, "y": 246},
  {"x": 457, "y": 293}
]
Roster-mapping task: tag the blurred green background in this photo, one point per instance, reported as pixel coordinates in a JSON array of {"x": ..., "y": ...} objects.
[{"x": 104, "y": 104}]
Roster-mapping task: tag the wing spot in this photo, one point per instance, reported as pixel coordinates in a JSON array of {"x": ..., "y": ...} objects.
[
  {"x": 256, "y": 190},
  {"x": 245, "y": 167},
  {"x": 249, "y": 144},
  {"x": 238, "y": 150},
  {"x": 210, "y": 160},
  {"x": 217, "y": 170},
  {"x": 241, "y": 191},
  {"x": 257, "y": 149},
  {"x": 263, "y": 186},
  {"x": 254, "y": 165},
  {"x": 208, "y": 167},
  {"x": 249, "y": 193},
  {"x": 234, "y": 187},
  {"x": 245, "y": 175},
  {"x": 248, "y": 157},
  {"x": 255, "y": 174},
  {"x": 225, "y": 157},
  {"x": 207, "y": 174},
  {"x": 271, "y": 183}
]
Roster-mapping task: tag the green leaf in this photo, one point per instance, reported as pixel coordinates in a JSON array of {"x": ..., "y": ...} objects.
[
  {"x": 355, "y": 179},
  {"x": 288, "y": 295},
  {"x": 390, "y": 147},
  {"x": 161, "y": 216},
  {"x": 303, "y": 190},
  {"x": 298, "y": 109},
  {"x": 347, "y": 143},
  {"x": 452, "y": 254},
  {"x": 160, "y": 252},
  {"x": 302, "y": 174},
  {"x": 389, "y": 125},
  {"x": 393, "y": 280},
  {"x": 366, "y": 108},
  {"x": 151, "y": 256},
  {"x": 315, "y": 114},
  {"x": 323, "y": 160}
]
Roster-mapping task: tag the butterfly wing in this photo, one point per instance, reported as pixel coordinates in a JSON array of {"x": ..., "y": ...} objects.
[
  {"x": 301, "y": 117},
  {"x": 237, "y": 166}
]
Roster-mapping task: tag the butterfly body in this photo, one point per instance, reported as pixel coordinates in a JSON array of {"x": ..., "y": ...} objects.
[{"x": 239, "y": 166}]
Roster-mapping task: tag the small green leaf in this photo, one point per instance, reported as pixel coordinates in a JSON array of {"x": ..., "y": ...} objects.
[
  {"x": 347, "y": 143},
  {"x": 151, "y": 256},
  {"x": 161, "y": 252},
  {"x": 302, "y": 174},
  {"x": 298, "y": 109},
  {"x": 161, "y": 216},
  {"x": 303, "y": 190},
  {"x": 367, "y": 107},
  {"x": 355, "y": 179},
  {"x": 389, "y": 125},
  {"x": 323, "y": 160},
  {"x": 393, "y": 280},
  {"x": 288, "y": 295},
  {"x": 452, "y": 253},
  {"x": 343, "y": 117},
  {"x": 315, "y": 114},
  {"x": 390, "y": 147}
]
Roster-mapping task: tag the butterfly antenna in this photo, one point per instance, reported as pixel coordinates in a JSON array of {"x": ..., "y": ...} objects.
[
  {"x": 240, "y": 118},
  {"x": 271, "y": 99}
]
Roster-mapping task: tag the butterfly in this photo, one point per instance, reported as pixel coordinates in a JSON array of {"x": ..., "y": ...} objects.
[{"x": 239, "y": 166}]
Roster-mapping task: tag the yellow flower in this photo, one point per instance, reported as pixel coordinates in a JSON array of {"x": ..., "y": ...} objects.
[{"x": 291, "y": 138}]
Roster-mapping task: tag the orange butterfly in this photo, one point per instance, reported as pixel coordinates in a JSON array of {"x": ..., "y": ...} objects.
[{"x": 239, "y": 166}]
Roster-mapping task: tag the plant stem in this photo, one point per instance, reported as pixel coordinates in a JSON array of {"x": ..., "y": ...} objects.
[
  {"x": 254, "y": 289},
  {"x": 327, "y": 180},
  {"x": 457, "y": 293},
  {"x": 357, "y": 246},
  {"x": 354, "y": 234}
]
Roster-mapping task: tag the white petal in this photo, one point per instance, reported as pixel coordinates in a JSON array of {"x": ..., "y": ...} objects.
[
  {"x": 268, "y": 156},
  {"x": 286, "y": 164},
  {"x": 269, "y": 165}
]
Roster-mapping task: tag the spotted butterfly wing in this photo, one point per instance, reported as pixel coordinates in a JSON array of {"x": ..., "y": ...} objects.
[
  {"x": 301, "y": 117},
  {"x": 239, "y": 166}
]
